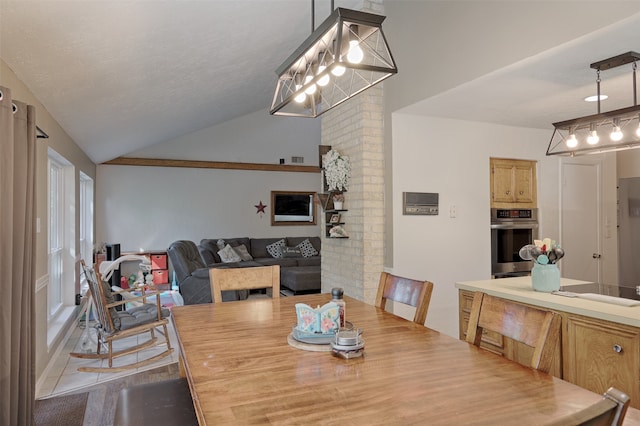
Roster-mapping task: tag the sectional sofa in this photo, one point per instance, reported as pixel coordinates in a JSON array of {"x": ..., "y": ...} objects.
[{"x": 298, "y": 257}]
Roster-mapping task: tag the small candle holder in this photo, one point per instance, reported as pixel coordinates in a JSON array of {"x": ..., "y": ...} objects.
[{"x": 348, "y": 344}]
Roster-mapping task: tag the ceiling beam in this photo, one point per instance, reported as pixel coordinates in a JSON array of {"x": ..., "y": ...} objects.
[{"x": 159, "y": 162}]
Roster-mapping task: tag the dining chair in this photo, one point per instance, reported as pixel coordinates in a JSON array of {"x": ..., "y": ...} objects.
[
  {"x": 114, "y": 326},
  {"x": 536, "y": 328},
  {"x": 256, "y": 277},
  {"x": 609, "y": 411},
  {"x": 407, "y": 291}
]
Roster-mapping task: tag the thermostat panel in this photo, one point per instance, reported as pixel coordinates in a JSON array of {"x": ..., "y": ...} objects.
[{"x": 420, "y": 203}]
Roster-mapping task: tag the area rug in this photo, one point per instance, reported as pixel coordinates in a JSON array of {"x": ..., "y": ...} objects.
[{"x": 66, "y": 410}]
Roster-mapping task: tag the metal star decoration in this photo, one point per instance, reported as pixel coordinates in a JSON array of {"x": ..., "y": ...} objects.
[{"x": 260, "y": 208}]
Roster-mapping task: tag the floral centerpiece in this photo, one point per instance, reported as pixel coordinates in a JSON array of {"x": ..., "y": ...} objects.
[
  {"x": 545, "y": 275},
  {"x": 337, "y": 170}
]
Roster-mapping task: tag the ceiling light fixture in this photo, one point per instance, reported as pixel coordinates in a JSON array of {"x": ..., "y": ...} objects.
[
  {"x": 580, "y": 135},
  {"x": 345, "y": 55}
]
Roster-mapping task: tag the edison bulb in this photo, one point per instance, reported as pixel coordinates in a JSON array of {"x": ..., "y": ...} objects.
[
  {"x": 301, "y": 97},
  {"x": 355, "y": 54},
  {"x": 572, "y": 142},
  {"x": 311, "y": 89},
  {"x": 338, "y": 70},
  {"x": 616, "y": 134},
  {"x": 324, "y": 80},
  {"x": 593, "y": 138}
]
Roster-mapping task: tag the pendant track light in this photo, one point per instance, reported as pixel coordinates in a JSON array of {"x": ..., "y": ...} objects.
[
  {"x": 345, "y": 55},
  {"x": 604, "y": 131}
]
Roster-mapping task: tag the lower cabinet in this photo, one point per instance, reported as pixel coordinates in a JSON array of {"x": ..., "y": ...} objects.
[
  {"x": 600, "y": 354},
  {"x": 594, "y": 354}
]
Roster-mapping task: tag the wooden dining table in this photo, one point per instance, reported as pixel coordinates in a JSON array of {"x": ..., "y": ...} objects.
[{"x": 242, "y": 370}]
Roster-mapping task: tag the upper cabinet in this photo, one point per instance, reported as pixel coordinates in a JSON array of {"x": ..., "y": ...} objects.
[{"x": 513, "y": 183}]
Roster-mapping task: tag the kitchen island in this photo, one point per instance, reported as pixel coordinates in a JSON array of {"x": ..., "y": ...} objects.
[{"x": 600, "y": 342}]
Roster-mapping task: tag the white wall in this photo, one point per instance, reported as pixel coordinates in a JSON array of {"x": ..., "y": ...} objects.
[
  {"x": 254, "y": 138},
  {"x": 150, "y": 207},
  {"x": 451, "y": 158}
]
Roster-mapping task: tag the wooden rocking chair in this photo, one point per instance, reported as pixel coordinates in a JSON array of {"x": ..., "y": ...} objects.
[{"x": 114, "y": 325}]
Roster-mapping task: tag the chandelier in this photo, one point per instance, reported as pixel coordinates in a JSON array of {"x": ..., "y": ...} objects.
[
  {"x": 345, "y": 55},
  {"x": 605, "y": 131}
]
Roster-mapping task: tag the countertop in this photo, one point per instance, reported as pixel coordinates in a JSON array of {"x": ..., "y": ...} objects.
[{"x": 519, "y": 289}]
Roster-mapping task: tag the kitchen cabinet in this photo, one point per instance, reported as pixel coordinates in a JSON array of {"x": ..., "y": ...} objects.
[
  {"x": 600, "y": 354},
  {"x": 513, "y": 183}
]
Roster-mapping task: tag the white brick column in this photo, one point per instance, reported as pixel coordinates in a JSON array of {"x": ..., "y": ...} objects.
[{"x": 355, "y": 129}]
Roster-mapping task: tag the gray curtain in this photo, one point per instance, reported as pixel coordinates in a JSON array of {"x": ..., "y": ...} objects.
[{"x": 17, "y": 260}]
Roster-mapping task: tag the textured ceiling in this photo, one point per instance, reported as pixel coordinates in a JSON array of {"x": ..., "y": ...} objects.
[
  {"x": 123, "y": 75},
  {"x": 546, "y": 88}
]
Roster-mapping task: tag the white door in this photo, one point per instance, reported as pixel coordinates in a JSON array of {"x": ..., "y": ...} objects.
[{"x": 579, "y": 226}]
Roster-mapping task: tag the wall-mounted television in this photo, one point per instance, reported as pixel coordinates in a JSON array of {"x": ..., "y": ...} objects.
[{"x": 292, "y": 208}]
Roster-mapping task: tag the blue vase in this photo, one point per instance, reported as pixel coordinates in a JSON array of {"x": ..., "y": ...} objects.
[{"x": 545, "y": 278}]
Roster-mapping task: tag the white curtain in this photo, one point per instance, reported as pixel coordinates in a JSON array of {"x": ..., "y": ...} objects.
[{"x": 17, "y": 260}]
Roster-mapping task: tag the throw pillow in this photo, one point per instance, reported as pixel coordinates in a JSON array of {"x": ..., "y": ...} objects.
[
  {"x": 291, "y": 252},
  {"x": 307, "y": 249},
  {"x": 243, "y": 252},
  {"x": 228, "y": 254},
  {"x": 275, "y": 249},
  {"x": 220, "y": 243}
]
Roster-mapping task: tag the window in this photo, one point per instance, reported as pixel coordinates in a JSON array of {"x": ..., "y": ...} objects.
[
  {"x": 61, "y": 284},
  {"x": 56, "y": 236},
  {"x": 86, "y": 218},
  {"x": 86, "y": 223}
]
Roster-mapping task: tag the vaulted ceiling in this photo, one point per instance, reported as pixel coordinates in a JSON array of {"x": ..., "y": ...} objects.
[{"x": 123, "y": 75}]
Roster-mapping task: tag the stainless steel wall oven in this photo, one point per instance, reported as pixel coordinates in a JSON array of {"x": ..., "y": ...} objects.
[{"x": 510, "y": 230}]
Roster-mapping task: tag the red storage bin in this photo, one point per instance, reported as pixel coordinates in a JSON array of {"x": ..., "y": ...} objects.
[
  {"x": 158, "y": 261},
  {"x": 160, "y": 276}
]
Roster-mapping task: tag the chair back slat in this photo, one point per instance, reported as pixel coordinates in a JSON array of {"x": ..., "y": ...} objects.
[
  {"x": 97, "y": 290},
  {"x": 223, "y": 279},
  {"x": 406, "y": 291},
  {"x": 536, "y": 328}
]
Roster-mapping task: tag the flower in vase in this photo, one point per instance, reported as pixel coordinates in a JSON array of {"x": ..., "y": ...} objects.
[
  {"x": 543, "y": 251},
  {"x": 337, "y": 170}
]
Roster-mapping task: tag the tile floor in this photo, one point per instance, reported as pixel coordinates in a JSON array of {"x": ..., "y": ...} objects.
[{"x": 64, "y": 377}]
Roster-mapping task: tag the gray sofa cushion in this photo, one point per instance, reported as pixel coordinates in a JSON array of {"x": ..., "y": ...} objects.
[
  {"x": 315, "y": 242},
  {"x": 140, "y": 315},
  {"x": 301, "y": 279},
  {"x": 242, "y": 264},
  {"x": 208, "y": 248},
  {"x": 184, "y": 258},
  {"x": 309, "y": 261},
  {"x": 259, "y": 247},
  {"x": 283, "y": 262}
]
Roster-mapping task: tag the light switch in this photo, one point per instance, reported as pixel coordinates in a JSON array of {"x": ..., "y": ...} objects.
[{"x": 453, "y": 211}]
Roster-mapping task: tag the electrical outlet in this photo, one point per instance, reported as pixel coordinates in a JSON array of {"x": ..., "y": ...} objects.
[{"x": 453, "y": 211}]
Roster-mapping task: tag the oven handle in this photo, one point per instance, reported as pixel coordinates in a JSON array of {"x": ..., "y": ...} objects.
[{"x": 514, "y": 226}]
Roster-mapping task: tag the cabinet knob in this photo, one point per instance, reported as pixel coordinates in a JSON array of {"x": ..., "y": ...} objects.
[
  {"x": 617, "y": 348},
  {"x": 508, "y": 192},
  {"x": 521, "y": 192}
]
